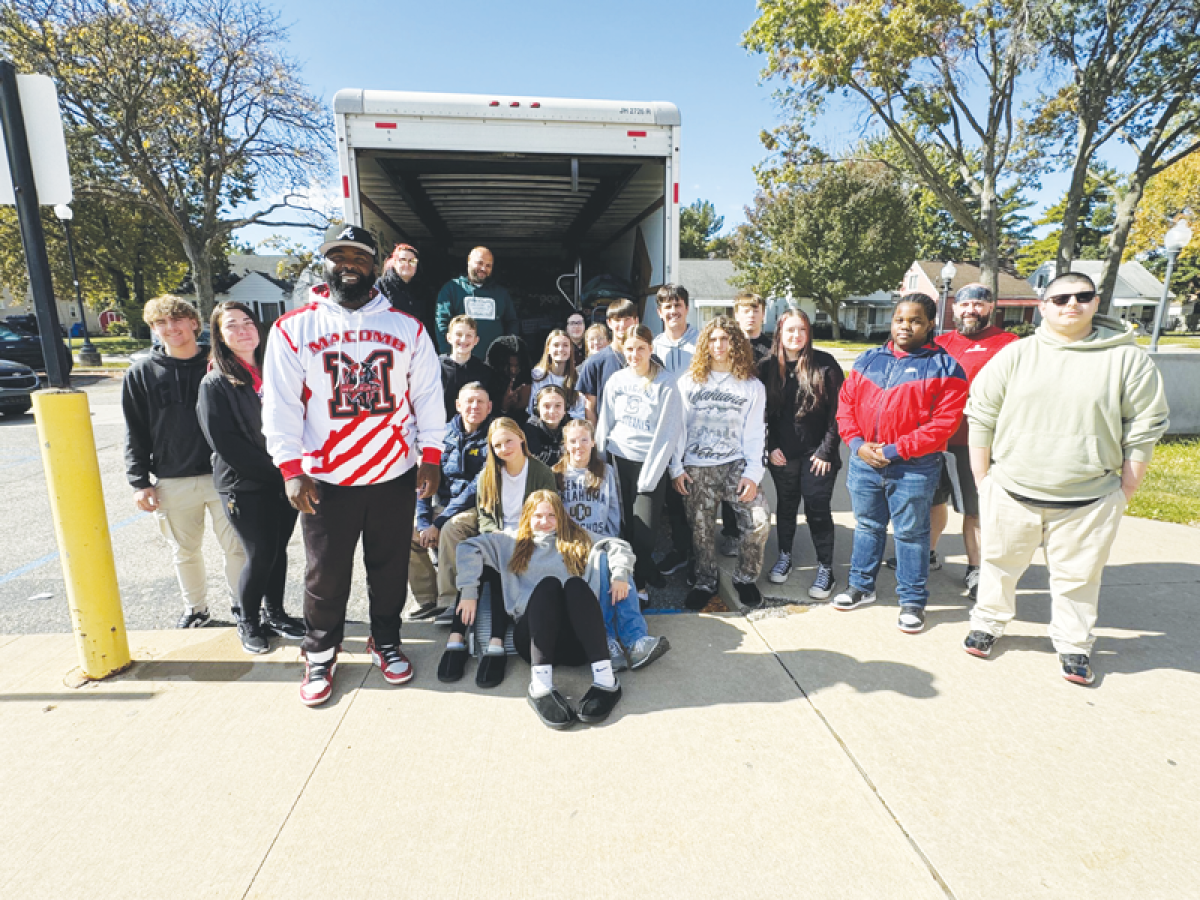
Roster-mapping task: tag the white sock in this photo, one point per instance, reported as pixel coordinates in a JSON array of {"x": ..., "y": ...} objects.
[
  {"x": 602, "y": 674},
  {"x": 542, "y": 681},
  {"x": 320, "y": 656},
  {"x": 455, "y": 645}
]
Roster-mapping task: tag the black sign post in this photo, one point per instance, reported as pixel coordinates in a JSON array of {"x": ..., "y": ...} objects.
[{"x": 33, "y": 238}]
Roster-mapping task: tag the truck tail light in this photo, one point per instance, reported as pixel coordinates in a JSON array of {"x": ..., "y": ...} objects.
[
  {"x": 346, "y": 186},
  {"x": 385, "y": 124},
  {"x": 636, "y": 133},
  {"x": 494, "y": 103}
]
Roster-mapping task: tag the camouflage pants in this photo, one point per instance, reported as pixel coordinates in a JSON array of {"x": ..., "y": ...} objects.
[{"x": 710, "y": 485}]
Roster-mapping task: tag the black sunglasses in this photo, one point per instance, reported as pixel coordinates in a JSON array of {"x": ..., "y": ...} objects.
[{"x": 1081, "y": 297}]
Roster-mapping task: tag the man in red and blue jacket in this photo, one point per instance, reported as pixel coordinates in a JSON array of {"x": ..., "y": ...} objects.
[{"x": 896, "y": 411}]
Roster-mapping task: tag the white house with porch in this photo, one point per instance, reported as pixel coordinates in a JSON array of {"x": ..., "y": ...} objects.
[{"x": 1136, "y": 294}]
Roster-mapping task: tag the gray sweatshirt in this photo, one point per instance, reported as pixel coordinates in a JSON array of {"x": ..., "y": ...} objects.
[
  {"x": 726, "y": 421},
  {"x": 496, "y": 550},
  {"x": 641, "y": 422},
  {"x": 597, "y": 510}
]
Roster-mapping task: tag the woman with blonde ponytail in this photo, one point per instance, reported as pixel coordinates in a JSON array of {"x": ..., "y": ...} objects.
[{"x": 549, "y": 576}]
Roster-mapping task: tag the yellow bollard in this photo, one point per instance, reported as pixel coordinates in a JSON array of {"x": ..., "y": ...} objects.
[{"x": 64, "y": 428}]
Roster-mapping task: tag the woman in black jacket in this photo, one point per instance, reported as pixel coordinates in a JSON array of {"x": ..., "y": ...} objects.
[
  {"x": 802, "y": 442},
  {"x": 251, "y": 487}
]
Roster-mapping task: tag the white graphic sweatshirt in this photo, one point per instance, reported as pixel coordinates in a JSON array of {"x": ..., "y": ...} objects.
[{"x": 726, "y": 421}]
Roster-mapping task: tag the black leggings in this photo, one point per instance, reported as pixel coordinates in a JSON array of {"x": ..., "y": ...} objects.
[
  {"x": 500, "y": 617},
  {"x": 640, "y": 514},
  {"x": 797, "y": 480},
  {"x": 264, "y": 521},
  {"x": 542, "y": 636}
]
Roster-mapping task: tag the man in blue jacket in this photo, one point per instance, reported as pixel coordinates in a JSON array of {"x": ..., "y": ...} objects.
[
  {"x": 475, "y": 295},
  {"x": 463, "y": 455}
]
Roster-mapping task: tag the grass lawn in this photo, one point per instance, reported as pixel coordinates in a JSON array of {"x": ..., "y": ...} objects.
[
  {"x": 1173, "y": 341},
  {"x": 1171, "y": 491},
  {"x": 114, "y": 345}
]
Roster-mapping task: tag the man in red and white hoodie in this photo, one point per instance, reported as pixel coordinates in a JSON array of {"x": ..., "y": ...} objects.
[{"x": 352, "y": 403}]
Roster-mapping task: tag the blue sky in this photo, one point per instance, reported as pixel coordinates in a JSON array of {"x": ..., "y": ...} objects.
[{"x": 684, "y": 52}]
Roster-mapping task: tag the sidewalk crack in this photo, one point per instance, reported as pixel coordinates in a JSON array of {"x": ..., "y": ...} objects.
[
  {"x": 862, "y": 772},
  {"x": 304, "y": 787}
]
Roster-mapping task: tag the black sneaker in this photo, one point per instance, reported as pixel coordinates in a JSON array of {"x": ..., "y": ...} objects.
[
  {"x": 852, "y": 598},
  {"x": 553, "y": 709},
  {"x": 699, "y": 597},
  {"x": 1077, "y": 668},
  {"x": 280, "y": 623},
  {"x": 748, "y": 594},
  {"x": 979, "y": 643},
  {"x": 194, "y": 619},
  {"x": 253, "y": 636},
  {"x": 823, "y": 584},
  {"x": 671, "y": 563},
  {"x": 934, "y": 562},
  {"x": 911, "y": 620}
]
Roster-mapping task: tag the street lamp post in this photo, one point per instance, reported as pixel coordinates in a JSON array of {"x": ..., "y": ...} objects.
[
  {"x": 948, "y": 273},
  {"x": 88, "y": 355},
  {"x": 1173, "y": 242}
]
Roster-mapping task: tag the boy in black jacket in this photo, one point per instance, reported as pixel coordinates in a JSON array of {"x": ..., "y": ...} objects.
[{"x": 163, "y": 439}]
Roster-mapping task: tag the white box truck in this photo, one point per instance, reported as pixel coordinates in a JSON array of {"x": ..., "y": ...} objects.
[{"x": 566, "y": 193}]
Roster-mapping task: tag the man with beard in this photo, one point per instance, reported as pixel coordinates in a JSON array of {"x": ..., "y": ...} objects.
[
  {"x": 476, "y": 296},
  {"x": 974, "y": 341},
  {"x": 352, "y": 401},
  {"x": 404, "y": 290}
]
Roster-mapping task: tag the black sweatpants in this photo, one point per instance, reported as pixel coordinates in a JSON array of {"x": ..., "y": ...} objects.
[
  {"x": 640, "y": 514},
  {"x": 562, "y": 625},
  {"x": 500, "y": 617},
  {"x": 797, "y": 480},
  {"x": 383, "y": 515},
  {"x": 264, "y": 522}
]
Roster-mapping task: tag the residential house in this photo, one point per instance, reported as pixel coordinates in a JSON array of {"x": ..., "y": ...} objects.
[
  {"x": 1136, "y": 295},
  {"x": 1017, "y": 301}
]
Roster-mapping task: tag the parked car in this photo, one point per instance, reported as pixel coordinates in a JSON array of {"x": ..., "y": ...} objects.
[
  {"x": 17, "y": 384},
  {"x": 27, "y": 349}
]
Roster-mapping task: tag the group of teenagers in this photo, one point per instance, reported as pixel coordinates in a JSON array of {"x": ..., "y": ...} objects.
[{"x": 522, "y": 503}]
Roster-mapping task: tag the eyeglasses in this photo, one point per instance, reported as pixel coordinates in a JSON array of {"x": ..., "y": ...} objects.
[{"x": 1081, "y": 297}]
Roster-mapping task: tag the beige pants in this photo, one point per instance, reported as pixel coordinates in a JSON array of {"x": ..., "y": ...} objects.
[
  {"x": 1076, "y": 541},
  {"x": 422, "y": 573},
  {"x": 180, "y": 514},
  {"x": 464, "y": 525}
]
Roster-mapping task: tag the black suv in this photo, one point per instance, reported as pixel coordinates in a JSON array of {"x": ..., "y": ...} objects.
[
  {"x": 17, "y": 383},
  {"x": 27, "y": 349}
]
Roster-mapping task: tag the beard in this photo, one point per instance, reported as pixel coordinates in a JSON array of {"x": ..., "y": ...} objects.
[
  {"x": 973, "y": 325},
  {"x": 351, "y": 296}
]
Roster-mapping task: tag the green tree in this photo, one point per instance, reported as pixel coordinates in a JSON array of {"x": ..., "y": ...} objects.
[
  {"x": 1124, "y": 69},
  {"x": 839, "y": 231},
  {"x": 1094, "y": 217},
  {"x": 934, "y": 73},
  {"x": 190, "y": 107},
  {"x": 699, "y": 231}
]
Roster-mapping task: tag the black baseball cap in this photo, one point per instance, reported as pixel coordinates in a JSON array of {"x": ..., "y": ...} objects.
[{"x": 348, "y": 236}]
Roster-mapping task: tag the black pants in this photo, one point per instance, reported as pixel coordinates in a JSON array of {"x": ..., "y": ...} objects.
[
  {"x": 640, "y": 514},
  {"x": 495, "y": 601},
  {"x": 681, "y": 528},
  {"x": 383, "y": 515},
  {"x": 797, "y": 480},
  {"x": 562, "y": 625},
  {"x": 264, "y": 521}
]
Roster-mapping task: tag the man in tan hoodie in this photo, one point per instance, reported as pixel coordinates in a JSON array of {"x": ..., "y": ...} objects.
[{"x": 1062, "y": 429}]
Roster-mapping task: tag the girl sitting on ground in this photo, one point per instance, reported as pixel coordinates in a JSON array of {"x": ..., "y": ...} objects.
[
  {"x": 557, "y": 366},
  {"x": 544, "y": 430},
  {"x": 589, "y": 492},
  {"x": 549, "y": 573}
]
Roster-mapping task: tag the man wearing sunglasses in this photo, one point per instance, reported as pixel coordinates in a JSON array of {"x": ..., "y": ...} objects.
[{"x": 1062, "y": 428}]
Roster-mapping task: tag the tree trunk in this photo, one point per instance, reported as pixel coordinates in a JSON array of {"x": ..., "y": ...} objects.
[
  {"x": 1126, "y": 209},
  {"x": 202, "y": 277},
  {"x": 989, "y": 247},
  {"x": 139, "y": 286},
  {"x": 1070, "y": 220}
]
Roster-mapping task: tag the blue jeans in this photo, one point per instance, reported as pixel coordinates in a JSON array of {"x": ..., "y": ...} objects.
[
  {"x": 902, "y": 493},
  {"x": 624, "y": 620}
]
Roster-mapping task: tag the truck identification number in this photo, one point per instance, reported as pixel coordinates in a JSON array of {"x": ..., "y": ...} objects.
[{"x": 635, "y": 110}]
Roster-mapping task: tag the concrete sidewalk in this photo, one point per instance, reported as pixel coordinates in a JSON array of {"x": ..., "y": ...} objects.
[{"x": 796, "y": 752}]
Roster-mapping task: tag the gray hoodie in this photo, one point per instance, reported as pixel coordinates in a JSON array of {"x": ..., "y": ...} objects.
[
  {"x": 642, "y": 422},
  {"x": 496, "y": 550}
]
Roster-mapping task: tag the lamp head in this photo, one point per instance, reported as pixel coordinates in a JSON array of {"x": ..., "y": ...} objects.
[
  {"x": 949, "y": 271},
  {"x": 1177, "y": 237},
  {"x": 64, "y": 212}
]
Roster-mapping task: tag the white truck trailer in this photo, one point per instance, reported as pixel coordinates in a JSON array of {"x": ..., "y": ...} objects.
[{"x": 561, "y": 191}]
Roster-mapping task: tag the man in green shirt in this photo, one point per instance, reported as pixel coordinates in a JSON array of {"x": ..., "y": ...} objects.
[{"x": 477, "y": 296}]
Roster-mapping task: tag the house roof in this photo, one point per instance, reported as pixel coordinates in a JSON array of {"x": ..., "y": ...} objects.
[
  {"x": 1011, "y": 288},
  {"x": 879, "y": 298},
  {"x": 708, "y": 281}
]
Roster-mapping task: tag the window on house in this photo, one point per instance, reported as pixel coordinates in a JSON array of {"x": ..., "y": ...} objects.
[{"x": 912, "y": 282}]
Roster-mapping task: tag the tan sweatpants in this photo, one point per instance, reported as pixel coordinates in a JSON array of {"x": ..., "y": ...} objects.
[
  {"x": 1076, "y": 541},
  {"x": 180, "y": 514},
  {"x": 464, "y": 525}
]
